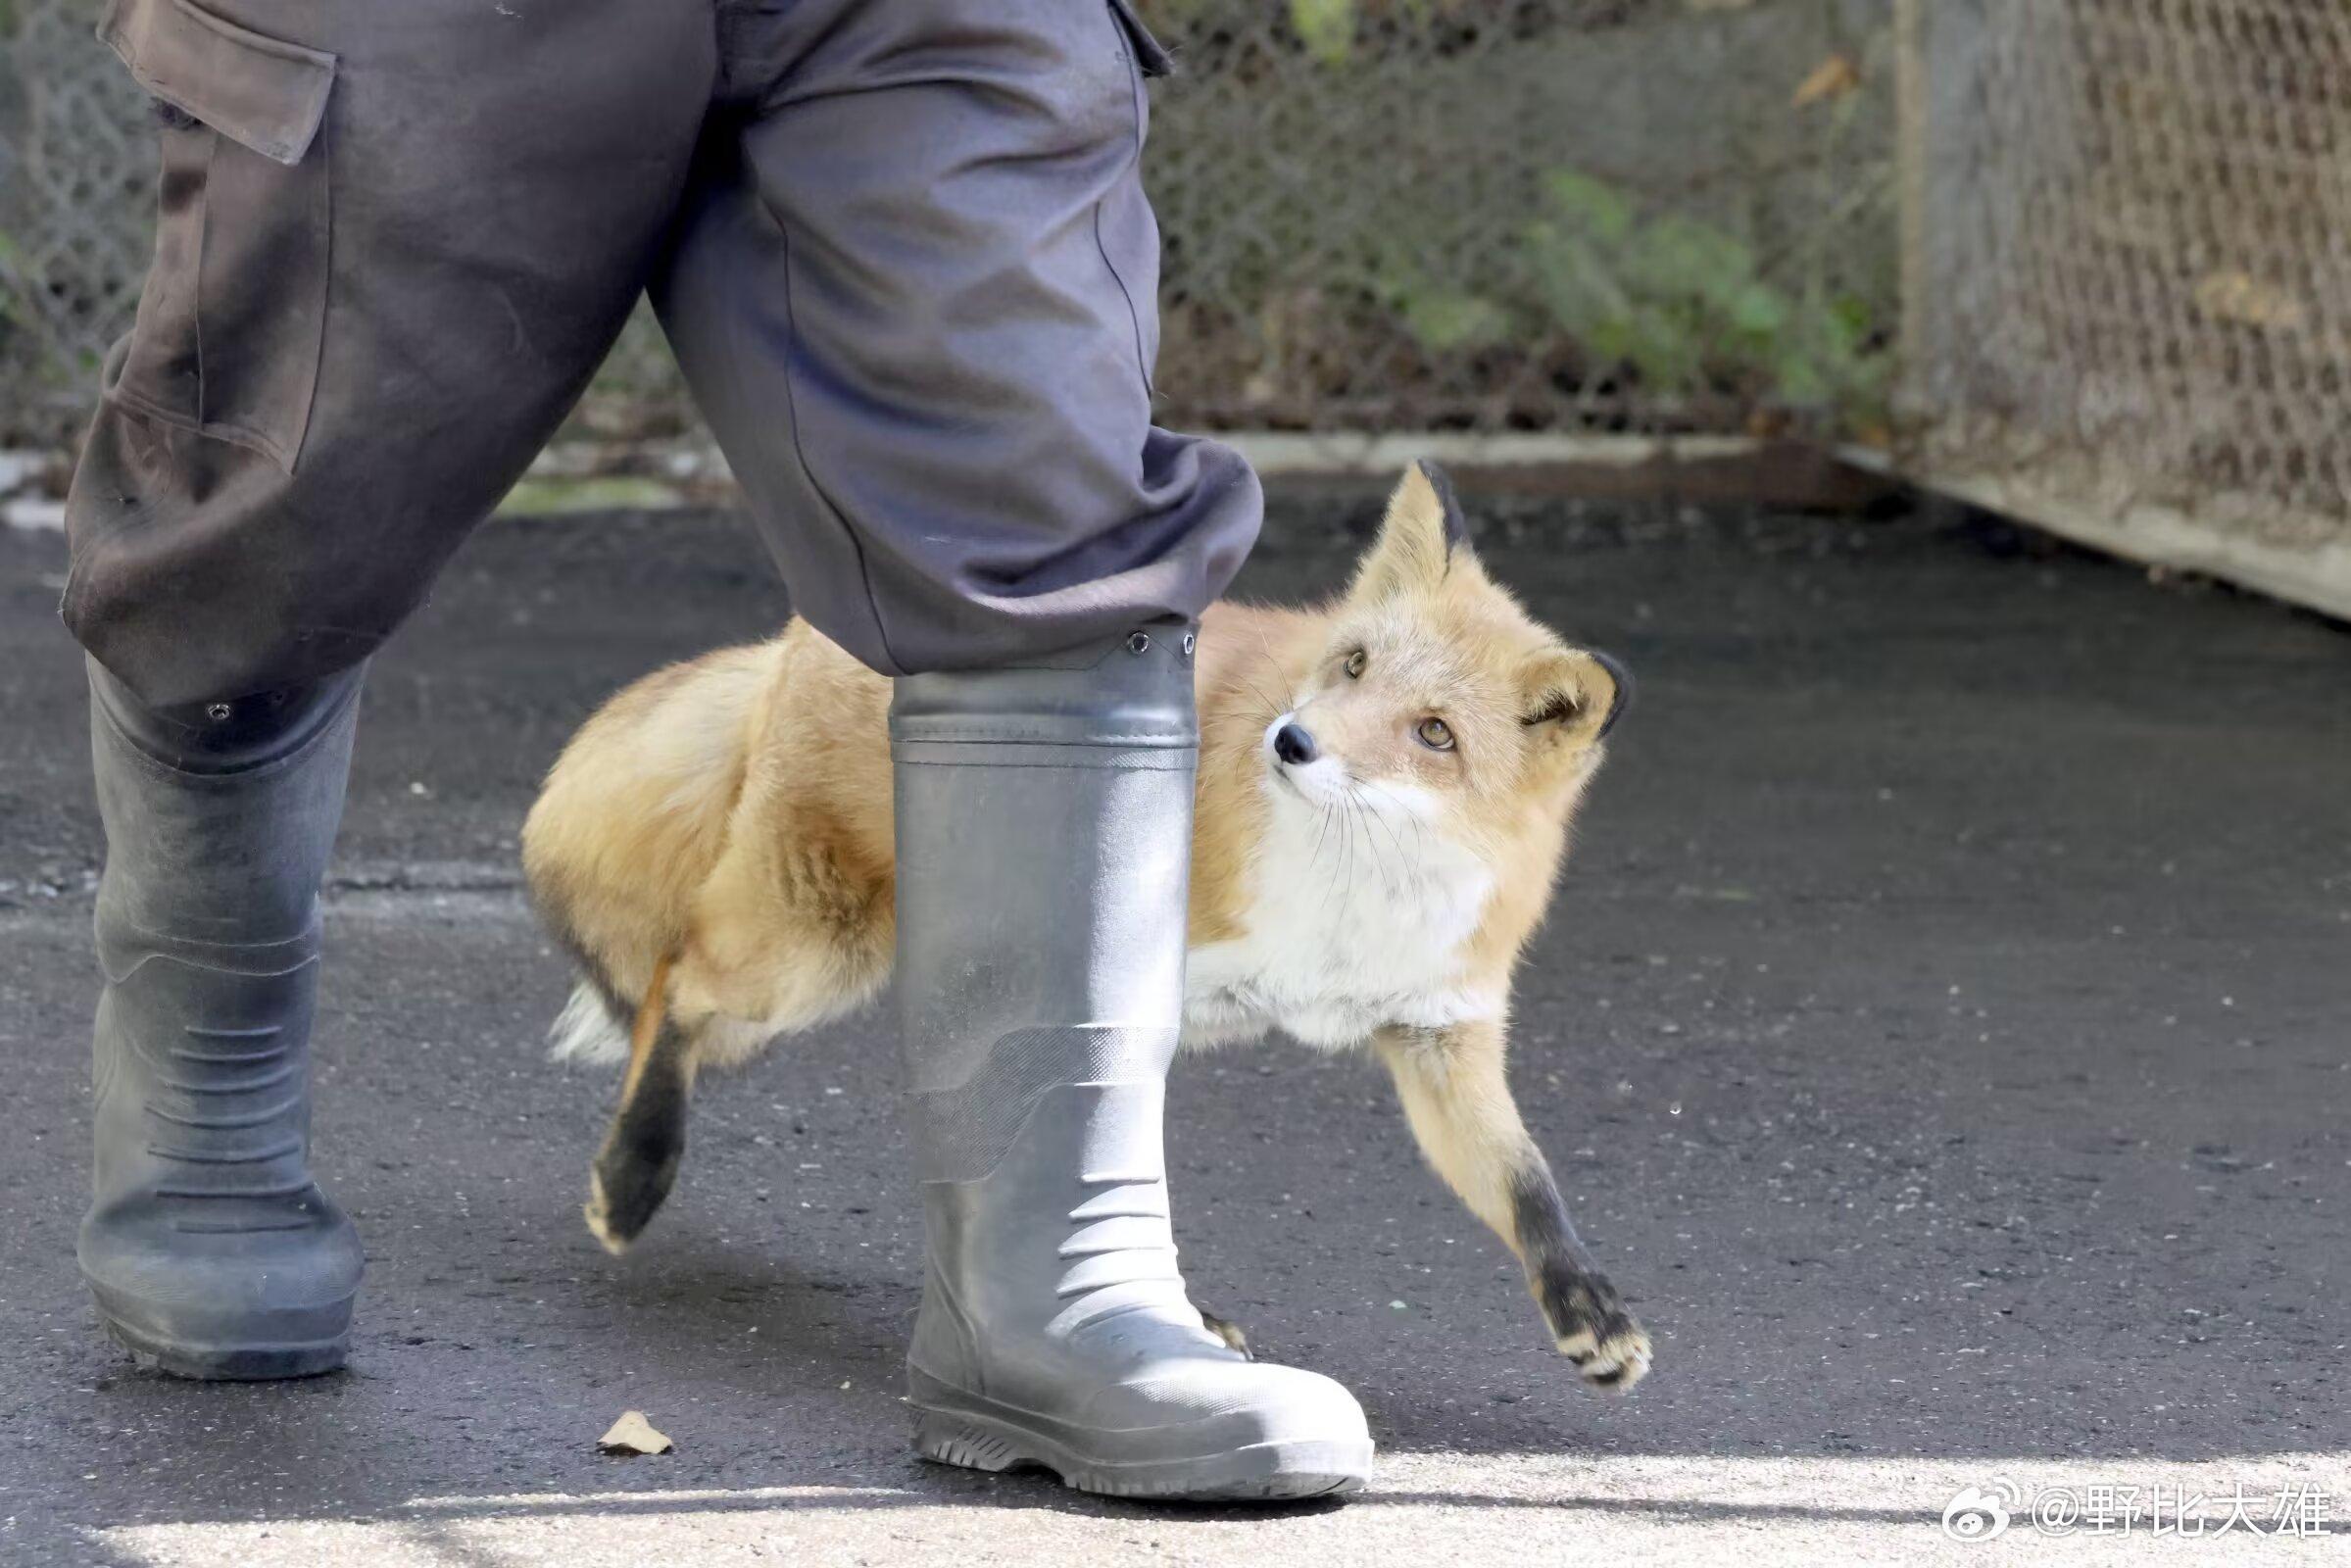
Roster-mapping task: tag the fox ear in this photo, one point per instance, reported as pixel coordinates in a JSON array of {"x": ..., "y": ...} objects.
[
  {"x": 1418, "y": 539},
  {"x": 1572, "y": 694}
]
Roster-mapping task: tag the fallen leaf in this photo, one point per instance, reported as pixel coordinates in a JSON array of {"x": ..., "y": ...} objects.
[
  {"x": 633, "y": 1434},
  {"x": 1833, "y": 77}
]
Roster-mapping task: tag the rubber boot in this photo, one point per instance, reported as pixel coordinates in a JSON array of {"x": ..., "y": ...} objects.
[
  {"x": 1043, "y": 840},
  {"x": 210, "y": 1251}
]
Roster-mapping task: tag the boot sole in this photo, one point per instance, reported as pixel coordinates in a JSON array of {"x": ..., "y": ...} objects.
[
  {"x": 240, "y": 1362},
  {"x": 1267, "y": 1472}
]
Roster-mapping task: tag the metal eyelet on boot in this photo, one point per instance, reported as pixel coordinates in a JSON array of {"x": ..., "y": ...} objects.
[
  {"x": 1139, "y": 643},
  {"x": 219, "y": 712}
]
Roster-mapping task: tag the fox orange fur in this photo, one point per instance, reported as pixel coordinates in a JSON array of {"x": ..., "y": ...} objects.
[{"x": 1386, "y": 787}]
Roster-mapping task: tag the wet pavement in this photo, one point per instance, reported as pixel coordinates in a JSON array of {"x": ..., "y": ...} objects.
[{"x": 1944, "y": 1035}]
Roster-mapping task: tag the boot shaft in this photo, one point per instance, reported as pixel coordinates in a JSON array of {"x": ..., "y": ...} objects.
[
  {"x": 1043, "y": 842},
  {"x": 207, "y": 1245},
  {"x": 218, "y": 819},
  {"x": 218, "y": 822},
  {"x": 1043, "y": 820},
  {"x": 1043, "y": 850}
]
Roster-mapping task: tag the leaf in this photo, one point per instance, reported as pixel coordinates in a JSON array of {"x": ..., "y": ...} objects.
[
  {"x": 1327, "y": 27},
  {"x": 1578, "y": 286},
  {"x": 1603, "y": 212},
  {"x": 1851, "y": 313},
  {"x": 1679, "y": 257},
  {"x": 632, "y": 1434},
  {"x": 1833, "y": 77},
  {"x": 1445, "y": 321},
  {"x": 1799, "y": 380},
  {"x": 1758, "y": 309},
  {"x": 1663, "y": 346}
]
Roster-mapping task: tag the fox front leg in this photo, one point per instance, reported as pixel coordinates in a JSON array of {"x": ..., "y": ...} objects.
[{"x": 1458, "y": 1099}]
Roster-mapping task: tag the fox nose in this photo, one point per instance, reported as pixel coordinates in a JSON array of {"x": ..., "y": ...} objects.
[{"x": 1294, "y": 744}]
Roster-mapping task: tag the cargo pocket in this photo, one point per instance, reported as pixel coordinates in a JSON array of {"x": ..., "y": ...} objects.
[{"x": 230, "y": 321}]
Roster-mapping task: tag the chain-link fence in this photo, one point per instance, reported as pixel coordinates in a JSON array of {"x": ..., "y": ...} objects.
[
  {"x": 2129, "y": 273},
  {"x": 1393, "y": 214},
  {"x": 77, "y": 166},
  {"x": 2106, "y": 243}
]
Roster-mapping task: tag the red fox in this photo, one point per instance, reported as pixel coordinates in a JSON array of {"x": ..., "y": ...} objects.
[{"x": 1385, "y": 785}]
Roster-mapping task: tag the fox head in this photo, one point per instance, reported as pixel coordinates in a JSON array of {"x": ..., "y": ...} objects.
[{"x": 1435, "y": 699}]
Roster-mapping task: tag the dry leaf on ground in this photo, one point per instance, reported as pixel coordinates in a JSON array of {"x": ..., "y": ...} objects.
[{"x": 633, "y": 1434}]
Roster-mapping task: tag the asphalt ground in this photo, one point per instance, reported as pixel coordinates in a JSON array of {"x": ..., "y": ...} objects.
[{"x": 1944, "y": 1035}]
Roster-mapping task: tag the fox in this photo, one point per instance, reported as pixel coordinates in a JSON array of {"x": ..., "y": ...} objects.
[{"x": 1386, "y": 787}]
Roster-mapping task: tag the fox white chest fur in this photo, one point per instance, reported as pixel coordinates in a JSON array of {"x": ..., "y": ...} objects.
[{"x": 1357, "y": 914}]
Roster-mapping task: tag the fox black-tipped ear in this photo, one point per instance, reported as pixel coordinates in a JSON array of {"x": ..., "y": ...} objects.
[
  {"x": 1581, "y": 691},
  {"x": 1448, "y": 506},
  {"x": 1418, "y": 539},
  {"x": 1623, "y": 699}
]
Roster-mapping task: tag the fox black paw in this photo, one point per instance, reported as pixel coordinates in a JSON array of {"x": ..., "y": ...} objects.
[
  {"x": 623, "y": 1197},
  {"x": 1593, "y": 1329}
]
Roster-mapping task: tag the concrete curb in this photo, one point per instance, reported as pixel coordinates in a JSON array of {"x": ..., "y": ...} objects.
[
  {"x": 577, "y": 478},
  {"x": 587, "y": 478},
  {"x": 2154, "y": 534}
]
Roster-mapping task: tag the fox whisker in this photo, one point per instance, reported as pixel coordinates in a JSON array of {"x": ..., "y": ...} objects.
[
  {"x": 1273, "y": 709},
  {"x": 1420, "y": 830}
]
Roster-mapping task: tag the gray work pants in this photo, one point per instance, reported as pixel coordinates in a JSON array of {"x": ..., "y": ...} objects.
[{"x": 899, "y": 246}]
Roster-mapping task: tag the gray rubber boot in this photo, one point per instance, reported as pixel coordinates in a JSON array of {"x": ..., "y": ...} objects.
[
  {"x": 1043, "y": 840},
  {"x": 210, "y": 1251}
]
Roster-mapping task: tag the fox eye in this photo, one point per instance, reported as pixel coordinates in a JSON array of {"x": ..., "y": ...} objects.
[
  {"x": 1355, "y": 662},
  {"x": 1436, "y": 734}
]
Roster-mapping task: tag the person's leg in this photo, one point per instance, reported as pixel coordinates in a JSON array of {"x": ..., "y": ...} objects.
[
  {"x": 394, "y": 242},
  {"x": 915, "y": 295}
]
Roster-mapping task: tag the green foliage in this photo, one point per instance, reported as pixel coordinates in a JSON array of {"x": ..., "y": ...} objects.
[
  {"x": 1689, "y": 305},
  {"x": 1447, "y": 321},
  {"x": 1686, "y": 307},
  {"x": 1327, "y": 27},
  {"x": 12, "y": 268}
]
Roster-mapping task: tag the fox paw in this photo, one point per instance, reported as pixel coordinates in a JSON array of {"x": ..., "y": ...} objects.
[
  {"x": 1593, "y": 1329},
  {"x": 1229, "y": 1332},
  {"x": 1613, "y": 1359}
]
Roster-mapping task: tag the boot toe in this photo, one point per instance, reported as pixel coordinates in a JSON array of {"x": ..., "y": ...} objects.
[
  {"x": 1249, "y": 1402},
  {"x": 264, "y": 1295},
  {"x": 1213, "y": 1426},
  {"x": 1194, "y": 1428}
]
